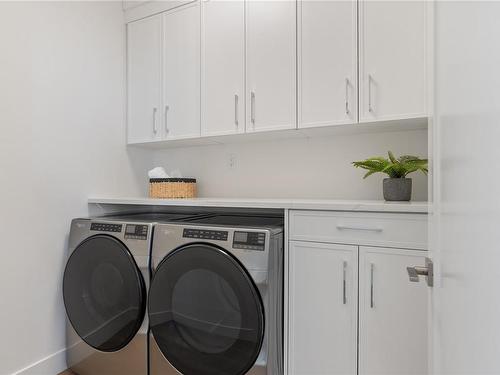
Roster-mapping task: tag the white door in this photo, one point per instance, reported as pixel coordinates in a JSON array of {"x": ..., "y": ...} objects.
[
  {"x": 144, "y": 80},
  {"x": 181, "y": 72},
  {"x": 223, "y": 67},
  {"x": 466, "y": 209},
  {"x": 328, "y": 63},
  {"x": 392, "y": 313},
  {"x": 322, "y": 309},
  {"x": 271, "y": 57},
  {"x": 393, "y": 59}
]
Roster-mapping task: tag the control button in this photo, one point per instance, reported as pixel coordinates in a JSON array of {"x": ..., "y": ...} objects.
[{"x": 205, "y": 234}]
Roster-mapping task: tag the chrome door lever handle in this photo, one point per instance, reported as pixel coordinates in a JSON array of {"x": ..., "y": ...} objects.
[{"x": 415, "y": 272}]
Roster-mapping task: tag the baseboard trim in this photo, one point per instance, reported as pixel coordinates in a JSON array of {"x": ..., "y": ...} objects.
[{"x": 50, "y": 365}]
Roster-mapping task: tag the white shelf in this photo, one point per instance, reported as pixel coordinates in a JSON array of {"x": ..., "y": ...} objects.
[{"x": 296, "y": 204}]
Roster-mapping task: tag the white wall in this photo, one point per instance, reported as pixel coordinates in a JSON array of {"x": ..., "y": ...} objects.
[
  {"x": 62, "y": 139},
  {"x": 316, "y": 167}
]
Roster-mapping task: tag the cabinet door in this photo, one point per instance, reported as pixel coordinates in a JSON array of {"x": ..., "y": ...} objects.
[
  {"x": 144, "y": 80},
  {"x": 328, "y": 63},
  {"x": 322, "y": 309},
  {"x": 271, "y": 56},
  {"x": 392, "y": 313},
  {"x": 181, "y": 70},
  {"x": 223, "y": 67},
  {"x": 392, "y": 59}
]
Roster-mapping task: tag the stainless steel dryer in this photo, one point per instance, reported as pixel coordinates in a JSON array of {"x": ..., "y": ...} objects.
[
  {"x": 216, "y": 297},
  {"x": 105, "y": 288}
]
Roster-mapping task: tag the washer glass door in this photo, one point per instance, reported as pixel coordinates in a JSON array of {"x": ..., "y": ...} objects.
[
  {"x": 104, "y": 293},
  {"x": 205, "y": 312}
]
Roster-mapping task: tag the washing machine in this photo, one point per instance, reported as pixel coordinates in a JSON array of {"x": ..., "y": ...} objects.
[
  {"x": 216, "y": 297},
  {"x": 105, "y": 287}
]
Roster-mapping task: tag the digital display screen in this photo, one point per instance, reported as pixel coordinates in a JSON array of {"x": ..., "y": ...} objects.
[
  {"x": 130, "y": 229},
  {"x": 241, "y": 237}
]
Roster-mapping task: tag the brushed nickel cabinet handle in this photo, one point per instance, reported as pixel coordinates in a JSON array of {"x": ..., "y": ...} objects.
[
  {"x": 370, "y": 107},
  {"x": 252, "y": 108},
  {"x": 165, "y": 119},
  {"x": 344, "y": 283},
  {"x": 372, "y": 304},
  {"x": 236, "y": 109},
  {"x": 155, "y": 130},
  {"x": 347, "y": 111}
]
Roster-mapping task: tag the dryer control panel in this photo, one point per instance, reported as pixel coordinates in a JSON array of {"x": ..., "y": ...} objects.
[
  {"x": 249, "y": 240},
  {"x": 219, "y": 235},
  {"x": 106, "y": 227},
  {"x": 136, "y": 232}
]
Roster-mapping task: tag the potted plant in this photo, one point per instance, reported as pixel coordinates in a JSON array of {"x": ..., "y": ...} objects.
[{"x": 397, "y": 187}]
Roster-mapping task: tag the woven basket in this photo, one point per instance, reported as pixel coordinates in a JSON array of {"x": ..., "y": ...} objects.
[{"x": 172, "y": 188}]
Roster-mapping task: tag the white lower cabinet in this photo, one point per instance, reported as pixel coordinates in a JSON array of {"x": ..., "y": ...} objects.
[
  {"x": 392, "y": 313},
  {"x": 323, "y": 308},
  {"x": 329, "y": 335}
]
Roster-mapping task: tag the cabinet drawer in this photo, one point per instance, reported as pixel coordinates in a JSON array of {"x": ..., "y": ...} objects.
[{"x": 375, "y": 229}]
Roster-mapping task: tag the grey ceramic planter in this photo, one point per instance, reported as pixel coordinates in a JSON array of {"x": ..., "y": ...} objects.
[{"x": 397, "y": 189}]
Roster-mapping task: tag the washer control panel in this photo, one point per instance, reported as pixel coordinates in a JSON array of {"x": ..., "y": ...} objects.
[
  {"x": 136, "y": 232},
  {"x": 249, "y": 240},
  {"x": 106, "y": 227},
  {"x": 219, "y": 235}
]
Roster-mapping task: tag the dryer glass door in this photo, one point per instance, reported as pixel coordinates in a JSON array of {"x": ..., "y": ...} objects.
[
  {"x": 104, "y": 293},
  {"x": 205, "y": 312}
]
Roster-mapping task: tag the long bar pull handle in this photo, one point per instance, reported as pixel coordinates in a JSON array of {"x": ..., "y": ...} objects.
[
  {"x": 252, "y": 108},
  {"x": 344, "y": 282},
  {"x": 155, "y": 130},
  {"x": 347, "y": 111},
  {"x": 165, "y": 119},
  {"x": 370, "y": 108},
  {"x": 236, "y": 109},
  {"x": 372, "y": 266}
]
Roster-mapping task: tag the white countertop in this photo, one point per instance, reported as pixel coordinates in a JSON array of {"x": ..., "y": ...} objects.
[{"x": 296, "y": 204}]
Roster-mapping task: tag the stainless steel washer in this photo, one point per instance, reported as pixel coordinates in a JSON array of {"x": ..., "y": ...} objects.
[
  {"x": 216, "y": 297},
  {"x": 105, "y": 287}
]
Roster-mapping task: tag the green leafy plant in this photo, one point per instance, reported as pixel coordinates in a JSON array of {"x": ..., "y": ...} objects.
[{"x": 393, "y": 167}]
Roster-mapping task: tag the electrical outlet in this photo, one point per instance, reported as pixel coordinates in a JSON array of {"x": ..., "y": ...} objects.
[{"x": 231, "y": 161}]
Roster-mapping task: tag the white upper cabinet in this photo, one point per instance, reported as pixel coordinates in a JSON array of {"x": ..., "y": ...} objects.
[
  {"x": 181, "y": 72},
  {"x": 392, "y": 45},
  {"x": 223, "y": 67},
  {"x": 327, "y": 62},
  {"x": 144, "y": 80},
  {"x": 322, "y": 309},
  {"x": 215, "y": 67},
  {"x": 271, "y": 62},
  {"x": 392, "y": 313}
]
